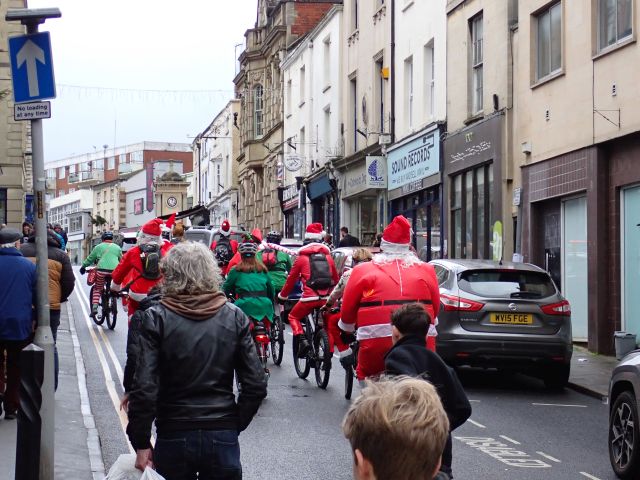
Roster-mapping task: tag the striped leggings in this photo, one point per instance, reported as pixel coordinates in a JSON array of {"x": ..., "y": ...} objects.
[{"x": 101, "y": 277}]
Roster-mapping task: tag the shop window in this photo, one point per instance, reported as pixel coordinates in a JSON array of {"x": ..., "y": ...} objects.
[
  {"x": 471, "y": 212},
  {"x": 354, "y": 15},
  {"x": 61, "y": 172},
  {"x": 615, "y": 22},
  {"x": 549, "y": 41},
  {"x": 477, "y": 61}
]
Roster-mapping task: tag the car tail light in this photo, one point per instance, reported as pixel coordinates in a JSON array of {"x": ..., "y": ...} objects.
[
  {"x": 452, "y": 303},
  {"x": 560, "y": 308}
]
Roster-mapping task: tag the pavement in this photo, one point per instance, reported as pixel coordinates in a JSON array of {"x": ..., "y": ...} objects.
[
  {"x": 78, "y": 454},
  {"x": 77, "y": 451}
]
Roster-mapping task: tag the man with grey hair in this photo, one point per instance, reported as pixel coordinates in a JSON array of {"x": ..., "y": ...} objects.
[
  {"x": 191, "y": 345},
  {"x": 17, "y": 296}
]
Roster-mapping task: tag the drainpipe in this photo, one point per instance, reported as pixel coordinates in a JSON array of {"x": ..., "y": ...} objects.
[{"x": 393, "y": 72}]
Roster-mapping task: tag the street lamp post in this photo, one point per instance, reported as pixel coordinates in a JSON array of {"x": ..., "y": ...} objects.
[{"x": 31, "y": 18}]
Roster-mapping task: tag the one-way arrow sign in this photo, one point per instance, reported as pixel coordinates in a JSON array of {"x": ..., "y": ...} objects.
[{"x": 32, "y": 67}]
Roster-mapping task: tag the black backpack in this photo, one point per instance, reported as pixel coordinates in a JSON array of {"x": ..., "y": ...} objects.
[
  {"x": 223, "y": 251},
  {"x": 320, "y": 278},
  {"x": 150, "y": 258}
]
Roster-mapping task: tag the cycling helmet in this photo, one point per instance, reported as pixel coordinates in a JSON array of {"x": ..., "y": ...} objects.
[
  {"x": 274, "y": 237},
  {"x": 107, "y": 236},
  {"x": 248, "y": 249}
]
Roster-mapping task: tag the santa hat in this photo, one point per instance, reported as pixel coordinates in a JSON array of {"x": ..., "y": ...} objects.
[
  {"x": 257, "y": 235},
  {"x": 225, "y": 228},
  {"x": 397, "y": 234},
  {"x": 171, "y": 220},
  {"x": 153, "y": 227},
  {"x": 314, "y": 232}
]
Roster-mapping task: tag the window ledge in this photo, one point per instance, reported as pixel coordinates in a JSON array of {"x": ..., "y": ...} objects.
[
  {"x": 301, "y": 104},
  {"x": 353, "y": 38},
  {"x": 325, "y": 89},
  {"x": 407, "y": 5},
  {"x": 474, "y": 118},
  {"x": 547, "y": 79},
  {"x": 615, "y": 47}
]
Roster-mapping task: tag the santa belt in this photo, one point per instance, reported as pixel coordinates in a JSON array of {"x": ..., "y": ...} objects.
[
  {"x": 381, "y": 303},
  {"x": 260, "y": 293}
]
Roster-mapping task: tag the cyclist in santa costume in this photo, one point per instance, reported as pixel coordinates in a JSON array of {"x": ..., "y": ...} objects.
[
  {"x": 317, "y": 271},
  {"x": 375, "y": 289},
  {"x": 139, "y": 266}
]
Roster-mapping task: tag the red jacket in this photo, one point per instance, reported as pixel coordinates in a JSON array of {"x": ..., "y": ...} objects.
[
  {"x": 130, "y": 268},
  {"x": 302, "y": 271},
  {"x": 375, "y": 290}
]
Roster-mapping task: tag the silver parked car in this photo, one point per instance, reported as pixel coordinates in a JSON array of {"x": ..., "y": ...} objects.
[
  {"x": 624, "y": 423},
  {"x": 508, "y": 315}
]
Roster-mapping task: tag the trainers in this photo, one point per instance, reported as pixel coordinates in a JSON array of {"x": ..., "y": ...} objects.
[
  {"x": 10, "y": 415},
  {"x": 94, "y": 309},
  {"x": 303, "y": 346}
]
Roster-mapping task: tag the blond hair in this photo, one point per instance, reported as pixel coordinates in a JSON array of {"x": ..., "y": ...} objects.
[
  {"x": 361, "y": 255},
  {"x": 400, "y": 426}
]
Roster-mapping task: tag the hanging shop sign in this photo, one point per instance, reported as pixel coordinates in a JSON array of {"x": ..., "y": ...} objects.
[
  {"x": 290, "y": 197},
  {"x": 293, "y": 163},
  {"x": 368, "y": 175},
  {"x": 414, "y": 159}
]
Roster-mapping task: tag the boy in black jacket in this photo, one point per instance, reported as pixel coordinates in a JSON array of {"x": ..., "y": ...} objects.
[{"x": 410, "y": 356}]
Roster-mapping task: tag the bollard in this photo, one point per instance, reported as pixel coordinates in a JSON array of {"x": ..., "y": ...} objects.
[{"x": 29, "y": 421}]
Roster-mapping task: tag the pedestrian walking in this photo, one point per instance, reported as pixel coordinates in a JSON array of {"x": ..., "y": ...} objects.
[
  {"x": 61, "y": 282},
  {"x": 375, "y": 289},
  {"x": 347, "y": 240},
  {"x": 397, "y": 429},
  {"x": 410, "y": 356},
  {"x": 191, "y": 346},
  {"x": 17, "y": 297},
  {"x": 27, "y": 228}
]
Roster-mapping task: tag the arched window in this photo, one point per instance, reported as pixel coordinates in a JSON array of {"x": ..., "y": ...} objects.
[{"x": 258, "y": 106}]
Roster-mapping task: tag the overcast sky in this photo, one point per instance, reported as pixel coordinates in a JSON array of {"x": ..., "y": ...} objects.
[{"x": 165, "y": 69}]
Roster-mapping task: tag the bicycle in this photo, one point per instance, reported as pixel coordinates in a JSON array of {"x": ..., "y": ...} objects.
[
  {"x": 262, "y": 339},
  {"x": 108, "y": 305},
  {"x": 350, "y": 371},
  {"x": 276, "y": 337},
  {"x": 319, "y": 355}
]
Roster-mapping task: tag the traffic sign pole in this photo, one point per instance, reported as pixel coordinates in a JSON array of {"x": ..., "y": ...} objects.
[{"x": 43, "y": 337}]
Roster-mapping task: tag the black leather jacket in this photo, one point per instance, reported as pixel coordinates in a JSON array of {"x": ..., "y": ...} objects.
[{"x": 185, "y": 372}]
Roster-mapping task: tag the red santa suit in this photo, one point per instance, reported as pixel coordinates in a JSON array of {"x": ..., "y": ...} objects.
[
  {"x": 375, "y": 289},
  {"x": 301, "y": 270},
  {"x": 225, "y": 231},
  {"x": 129, "y": 270}
]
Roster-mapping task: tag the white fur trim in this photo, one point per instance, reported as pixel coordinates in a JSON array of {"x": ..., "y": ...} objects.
[
  {"x": 314, "y": 236},
  {"x": 116, "y": 287},
  {"x": 309, "y": 246},
  {"x": 145, "y": 238},
  {"x": 138, "y": 297},
  {"x": 9, "y": 245},
  {"x": 374, "y": 331},
  {"x": 345, "y": 353},
  {"x": 346, "y": 327},
  {"x": 391, "y": 247}
]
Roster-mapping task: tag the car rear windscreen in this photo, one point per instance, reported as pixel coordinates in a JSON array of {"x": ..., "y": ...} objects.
[{"x": 507, "y": 283}]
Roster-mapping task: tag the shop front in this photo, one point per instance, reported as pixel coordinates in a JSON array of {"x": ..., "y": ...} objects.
[
  {"x": 363, "y": 194},
  {"x": 321, "y": 191},
  {"x": 292, "y": 206},
  {"x": 472, "y": 157},
  {"x": 75, "y": 248},
  {"x": 414, "y": 189}
]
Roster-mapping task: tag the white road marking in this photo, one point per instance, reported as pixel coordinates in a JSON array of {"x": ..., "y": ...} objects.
[
  {"x": 105, "y": 340},
  {"x": 589, "y": 476},
  {"x": 111, "y": 388},
  {"x": 510, "y": 440},
  {"x": 290, "y": 333},
  {"x": 503, "y": 452},
  {"x": 474, "y": 401},
  {"x": 93, "y": 438},
  {"x": 479, "y": 425},
  {"x": 553, "y": 459},
  {"x": 558, "y": 405}
]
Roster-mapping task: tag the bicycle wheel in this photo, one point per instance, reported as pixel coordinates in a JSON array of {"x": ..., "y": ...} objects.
[
  {"x": 277, "y": 340},
  {"x": 97, "y": 319},
  {"x": 105, "y": 308},
  {"x": 261, "y": 348},
  {"x": 322, "y": 354},
  {"x": 302, "y": 365},
  {"x": 349, "y": 373},
  {"x": 111, "y": 320}
]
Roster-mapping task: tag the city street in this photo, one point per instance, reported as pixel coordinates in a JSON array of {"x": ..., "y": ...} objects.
[{"x": 517, "y": 429}]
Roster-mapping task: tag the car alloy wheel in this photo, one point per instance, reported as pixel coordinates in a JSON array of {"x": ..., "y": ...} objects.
[{"x": 623, "y": 436}]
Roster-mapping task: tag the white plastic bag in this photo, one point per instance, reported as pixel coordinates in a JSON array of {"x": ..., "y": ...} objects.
[
  {"x": 151, "y": 474},
  {"x": 124, "y": 468}
]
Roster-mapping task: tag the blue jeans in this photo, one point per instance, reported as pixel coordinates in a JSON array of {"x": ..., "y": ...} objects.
[{"x": 198, "y": 454}]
